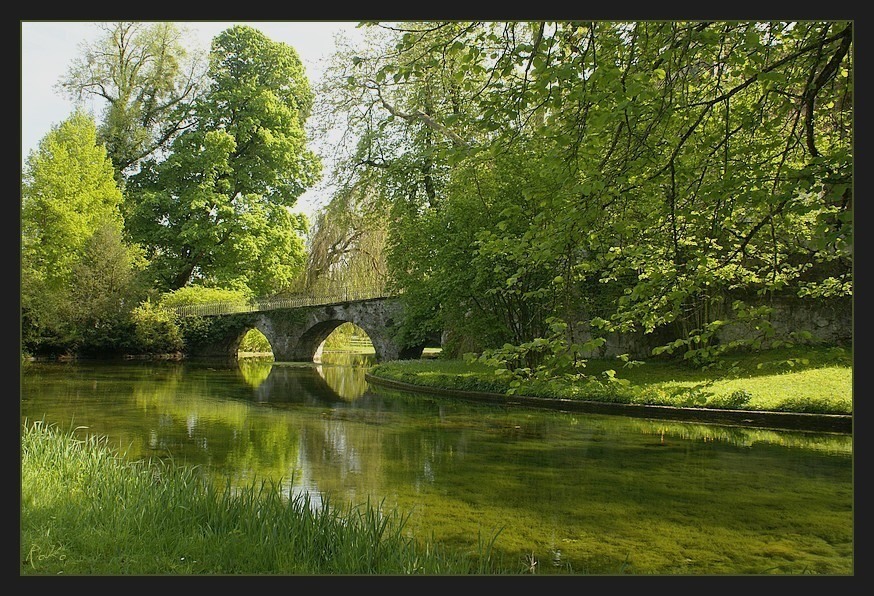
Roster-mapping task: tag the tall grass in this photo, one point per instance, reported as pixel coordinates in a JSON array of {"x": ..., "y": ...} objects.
[{"x": 85, "y": 510}]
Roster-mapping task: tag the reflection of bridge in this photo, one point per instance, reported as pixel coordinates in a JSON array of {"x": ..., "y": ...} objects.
[
  {"x": 296, "y": 327},
  {"x": 311, "y": 384}
]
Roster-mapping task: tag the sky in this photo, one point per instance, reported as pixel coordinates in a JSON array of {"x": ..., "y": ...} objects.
[{"x": 48, "y": 47}]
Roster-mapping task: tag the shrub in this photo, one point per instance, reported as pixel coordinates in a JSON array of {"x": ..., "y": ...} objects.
[
  {"x": 156, "y": 329},
  {"x": 190, "y": 295}
]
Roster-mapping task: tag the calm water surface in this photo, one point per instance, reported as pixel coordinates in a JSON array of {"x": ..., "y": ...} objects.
[{"x": 573, "y": 493}]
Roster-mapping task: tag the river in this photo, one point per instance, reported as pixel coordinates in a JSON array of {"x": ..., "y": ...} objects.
[{"x": 558, "y": 492}]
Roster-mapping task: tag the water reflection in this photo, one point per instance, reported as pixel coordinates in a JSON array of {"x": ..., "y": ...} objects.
[
  {"x": 598, "y": 493},
  {"x": 344, "y": 373},
  {"x": 339, "y": 375}
]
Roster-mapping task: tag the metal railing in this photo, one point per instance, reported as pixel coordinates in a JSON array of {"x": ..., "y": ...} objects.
[{"x": 293, "y": 301}]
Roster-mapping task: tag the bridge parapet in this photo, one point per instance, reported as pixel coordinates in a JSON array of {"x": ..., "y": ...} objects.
[{"x": 294, "y": 301}]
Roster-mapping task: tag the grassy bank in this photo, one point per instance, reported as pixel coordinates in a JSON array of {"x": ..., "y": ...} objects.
[
  {"x": 85, "y": 511},
  {"x": 805, "y": 379}
]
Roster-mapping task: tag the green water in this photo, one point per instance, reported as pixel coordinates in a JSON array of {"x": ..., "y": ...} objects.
[{"x": 562, "y": 492}]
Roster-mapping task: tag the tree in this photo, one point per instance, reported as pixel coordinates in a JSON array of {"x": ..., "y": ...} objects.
[
  {"x": 149, "y": 81},
  {"x": 105, "y": 290},
  {"x": 216, "y": 211},
  {"x": 346, "y": 247},
  {"x": 68, "y": 194},
  {"x": 640, "y": 175},
  {"x": 418, "y": 153},
  {"x": 388, "y": 164}
]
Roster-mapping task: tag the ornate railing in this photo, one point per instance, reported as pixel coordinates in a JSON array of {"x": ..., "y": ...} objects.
[{"x": 293, "y": 301}]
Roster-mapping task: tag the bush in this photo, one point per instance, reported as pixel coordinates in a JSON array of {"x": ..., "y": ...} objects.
[
  {"x": 157, "y": 331},
  {"x": 190, "y": 295}
]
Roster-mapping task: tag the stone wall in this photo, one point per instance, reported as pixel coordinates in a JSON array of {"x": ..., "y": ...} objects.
[{"x": 829, "y": 321}]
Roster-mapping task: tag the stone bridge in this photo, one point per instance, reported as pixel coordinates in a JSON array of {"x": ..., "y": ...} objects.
[{"x": 296, "y": 333}]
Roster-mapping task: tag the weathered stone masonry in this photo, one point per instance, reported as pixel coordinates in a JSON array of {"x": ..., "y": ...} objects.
[{"x": 295, "y": 334}]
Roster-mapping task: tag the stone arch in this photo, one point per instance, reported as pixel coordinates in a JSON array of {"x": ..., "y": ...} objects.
[
  {"x": 227, "y": 342},
  {"x": 311, "y": 339},
  {"x": 295, "y": 334},
  {"x": 300, "y": 332},
  {"x": 223, "y": 338}
]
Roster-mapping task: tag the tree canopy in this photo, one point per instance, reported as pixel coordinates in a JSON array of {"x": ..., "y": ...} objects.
[
  {"x": 216, "y": 210},
  {"x": 148, "y": 79},
  {"x": 531, "y": 188},
  {"x": 68, "y": 192},
  {"x": 75, "y": 271},
  {"x": 638, "y": 175}
]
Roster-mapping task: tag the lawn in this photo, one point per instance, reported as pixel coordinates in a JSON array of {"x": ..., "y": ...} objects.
[{"x": 802, "y": 379}]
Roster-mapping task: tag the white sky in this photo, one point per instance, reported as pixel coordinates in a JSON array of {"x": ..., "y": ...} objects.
[{"x": 48, "y": 47}]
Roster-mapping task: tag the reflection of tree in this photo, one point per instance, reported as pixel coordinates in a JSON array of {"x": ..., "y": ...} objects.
[
  {"x": 198, "y": 415},
  {"x": 206, "y": 418},
  {"x": 255, "y": 370},
  {"x": 344, "y": 373}
]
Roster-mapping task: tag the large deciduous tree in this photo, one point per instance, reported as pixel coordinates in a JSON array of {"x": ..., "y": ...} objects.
[
  {"x": 641, "y": 174},
  {"x": 346, "y": 248},
  {"x": 147, "y": 77},
  {"x": 217, "y": 210},
  {"x": 75, "y": 271}
]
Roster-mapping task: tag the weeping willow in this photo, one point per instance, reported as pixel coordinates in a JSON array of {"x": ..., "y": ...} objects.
[{"x": 346, "y": 248}]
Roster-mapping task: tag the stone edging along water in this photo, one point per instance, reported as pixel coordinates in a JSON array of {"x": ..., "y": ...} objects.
[{"x": 840, "y": 423}]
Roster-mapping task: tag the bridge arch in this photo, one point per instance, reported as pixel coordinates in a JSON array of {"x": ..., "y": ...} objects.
[
  {"x": 311, "y": 341},
  {"x": 296, "y": 335}
]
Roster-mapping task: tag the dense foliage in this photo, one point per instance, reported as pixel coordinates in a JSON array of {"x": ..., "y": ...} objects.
[
  {"x": 78, "y": 278},
  {"x": 665, "y": 178},
  {"x": 148, "y": 79},
  {"x": 186, "y": 182},
  {"x": 531, "y": 188},
  {"x": 216, "y": 211}
]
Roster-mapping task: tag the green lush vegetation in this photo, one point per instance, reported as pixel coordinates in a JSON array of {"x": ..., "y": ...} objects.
[
  {"x": 544, "y": 184},
  {"x": 349, "y": 337},
  {"x": 813, "y": 380},
  {"x": 530, "y": 189},
  {"x": 181, "y": 191},
  {"x": 86, "y": 511}
]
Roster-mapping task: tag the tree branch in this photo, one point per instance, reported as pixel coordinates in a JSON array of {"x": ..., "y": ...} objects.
[
  {"x": 708, "y": 105},
  {"x": 422, "y": 116},
  {"x": 825, "y": 75}
]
